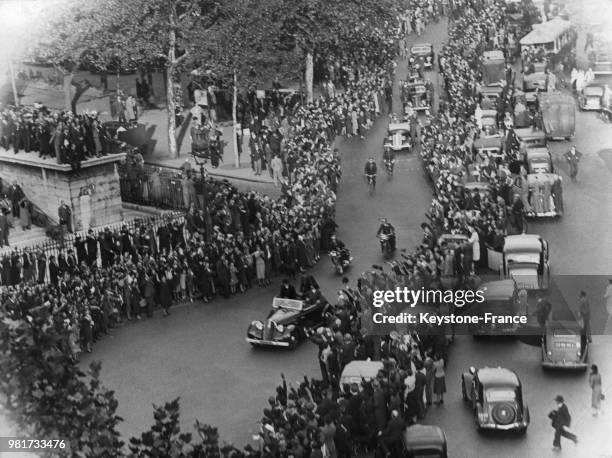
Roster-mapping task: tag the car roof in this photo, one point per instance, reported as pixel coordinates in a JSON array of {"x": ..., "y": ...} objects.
[
  {"x": 499, "y": 289},
  {"x": 537, "y": 152},
  {"x": 424, "y": 435},
  {"x": 497, "y": 376},
  {"x": 496, "y": 54},
  {"x": 523, "y": 242},
  {"x": 528, "y": 132},
  {"x": 534, "y": 179},
  {"x": 422, "y": 45},
  {"x": 399, "y": 126},
  {"x": 488, "y": 142}
]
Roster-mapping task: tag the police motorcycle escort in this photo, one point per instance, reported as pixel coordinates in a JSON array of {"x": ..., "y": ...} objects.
[
  {"x": 389, "y": 161},
  {"x": 386, "y": 235},
  {"x": 339, "y": 255}
]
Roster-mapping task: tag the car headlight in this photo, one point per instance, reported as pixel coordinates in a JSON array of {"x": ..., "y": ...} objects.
[
  {"x": 258, "y": 325},
  {"x": 578, "y": 354},
  {"x": 280, "y": 328},
  {"x": 483, "y": 417},
  {"x": 549, "y": 353}
]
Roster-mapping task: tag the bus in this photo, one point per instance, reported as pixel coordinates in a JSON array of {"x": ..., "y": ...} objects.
[
  {"x": 555, "y": 40},
  {"x": 600, "y": 57}
]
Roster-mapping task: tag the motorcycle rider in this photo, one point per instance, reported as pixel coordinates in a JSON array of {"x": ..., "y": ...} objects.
[
  {"x": 389, "y": 157},
  {"x": 371, "y": 170},
  {"x": 387, "y": 229},
  {"x": 339, "y": 247}
]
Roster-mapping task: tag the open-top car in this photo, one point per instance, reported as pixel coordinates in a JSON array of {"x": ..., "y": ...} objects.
[
  {"x": 489, "y": 146},
  {"x": 398, "y": 137},
  {"x": 286, "y": 324},
  {"x": 489, "y": 124},
  {"x": 593, "y": 95},
  {"x": 423, "y": 51},
  {"x": 424, "y": 441},
  {"x": 490, "y": 95},
  {"x": 415, "y": 92},
  {"x": 564, "y": 346},
  {"x": 496, "y": 396},
  {"x": 534, "y": 77}
]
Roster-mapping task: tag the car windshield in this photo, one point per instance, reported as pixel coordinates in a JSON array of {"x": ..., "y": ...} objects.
[
  {"x": 427, "y": 454},
  {"x": 593, "y": 91},
  {"x": 500, "y": 395},
  {"x": 398, "y": 131}
]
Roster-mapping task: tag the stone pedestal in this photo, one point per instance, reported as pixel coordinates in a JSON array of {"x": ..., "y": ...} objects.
[{"x": 94, "y": 194}]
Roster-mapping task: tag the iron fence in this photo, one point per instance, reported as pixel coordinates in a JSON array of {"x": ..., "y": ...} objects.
[{"x": 53, "y": 247}]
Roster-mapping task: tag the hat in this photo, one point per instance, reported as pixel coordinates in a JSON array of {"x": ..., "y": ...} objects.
[{"x": 559, "y": 398}]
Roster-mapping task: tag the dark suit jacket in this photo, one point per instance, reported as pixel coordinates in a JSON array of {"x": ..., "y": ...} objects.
[
  {"x": 394, "y": 428},
  {"x": 64, "y": 213},
  {"x": 561, "y": 417}
]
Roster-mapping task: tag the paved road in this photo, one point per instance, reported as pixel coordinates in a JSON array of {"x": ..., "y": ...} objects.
[{"x": 199, "y": 353}]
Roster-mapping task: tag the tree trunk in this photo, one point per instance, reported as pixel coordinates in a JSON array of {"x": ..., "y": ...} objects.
[
  {"x": 13, "y": 84},
  {"x": 67, "y": 85},
  {"x": 309, "y": 77},
  {"x": 235, "y": 121},
  {"x": 170, "y": 103}
]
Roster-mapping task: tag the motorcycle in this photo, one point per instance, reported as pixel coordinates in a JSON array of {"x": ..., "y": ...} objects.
[
  {"x": 340, "y": 260},
  {"x": 385, "y": 244},
  {"x": 371, "y": 183},
  {"x": 389, "y": 166}
]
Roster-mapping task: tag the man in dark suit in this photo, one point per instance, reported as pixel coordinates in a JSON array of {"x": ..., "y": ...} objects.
[
  {"x": 81, "y": 250},
  {"x": 4, "y": 228},
  {"x": 65, "y": 216},
  {"x": 287, "y": 290},
  {"x": 92, "y": 248},
  {"x": 391, "y": 436},
  {"x": 41, "y": 265},
  {"x": 561, "y": 421},
  {"x": 54, "y": 271}
]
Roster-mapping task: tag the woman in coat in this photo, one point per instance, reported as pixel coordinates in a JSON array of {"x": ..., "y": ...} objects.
[
  {"x": 25, "y": 216},
  {"x": 260, "y": 265},
  {"x": 596, "y": 393}
]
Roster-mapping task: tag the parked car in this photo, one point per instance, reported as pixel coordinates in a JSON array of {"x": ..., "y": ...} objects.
[
  {"x": 398, "y": 137},
  {"x": 525, "y": 259},
  {"x": 424, "y": 51},
  {"x": 286, "y": 324},
  {"x": 538, "y": 160},
  {"x": 592, "y": 96},
  {"x": 564, "y": 346},
  {"x": 500, "y": 300},
  {"x": 496, "y": 397},
  {"x": 534, "y": 77},
  {"x": 531, "y": 138},
  {"x": 424, "y": 441}
]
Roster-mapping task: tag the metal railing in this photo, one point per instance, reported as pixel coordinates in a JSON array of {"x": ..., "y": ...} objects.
[{"x": 52, "y": 247}]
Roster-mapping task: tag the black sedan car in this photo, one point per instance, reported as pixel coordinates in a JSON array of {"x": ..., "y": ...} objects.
[
  {"x": 496, "y": 398},
  {"x": 287, "y": 323}
]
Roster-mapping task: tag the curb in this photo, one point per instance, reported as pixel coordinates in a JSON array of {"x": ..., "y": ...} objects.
[{"x": 232, "y": 177}]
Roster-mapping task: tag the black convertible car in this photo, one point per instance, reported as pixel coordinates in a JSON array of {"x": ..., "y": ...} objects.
[
  {"x": 286, "y": 324},
  {"x": 496, "y": 397}
]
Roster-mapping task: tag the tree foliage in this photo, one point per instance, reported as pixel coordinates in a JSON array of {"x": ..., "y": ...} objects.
[{"x": 47, "y": 395}]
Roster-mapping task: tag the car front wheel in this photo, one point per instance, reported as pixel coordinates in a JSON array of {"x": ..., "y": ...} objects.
[{"x": 463, "y": 391}]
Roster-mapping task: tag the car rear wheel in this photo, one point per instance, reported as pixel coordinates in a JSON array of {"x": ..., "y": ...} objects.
[{"x": 504, "y": 413}]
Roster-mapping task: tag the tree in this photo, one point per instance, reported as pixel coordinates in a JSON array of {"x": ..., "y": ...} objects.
[
  {"x": 73, "y": 33},
  {"x": 323, "y": 26},
  {"x": 47, "y": 395},
  {"x": 163, "y": 32},
  {"x": 244, "y": 49}
]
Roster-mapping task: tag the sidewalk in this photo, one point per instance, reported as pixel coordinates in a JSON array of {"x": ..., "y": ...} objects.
[{"x": 160, "y": 155}]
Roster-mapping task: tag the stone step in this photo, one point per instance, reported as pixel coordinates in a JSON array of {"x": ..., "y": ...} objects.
[{"x": 19, "y": 238}]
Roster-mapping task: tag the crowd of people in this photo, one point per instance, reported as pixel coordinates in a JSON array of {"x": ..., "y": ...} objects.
[
  {"x": 62, "y": 135},
  {"x": 230, "y": 240}
]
